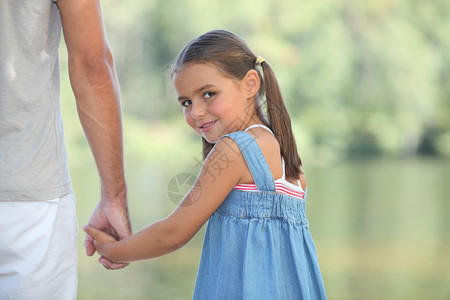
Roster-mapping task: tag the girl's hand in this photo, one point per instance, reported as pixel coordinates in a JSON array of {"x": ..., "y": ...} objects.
[{"x": 102, "y": 240}]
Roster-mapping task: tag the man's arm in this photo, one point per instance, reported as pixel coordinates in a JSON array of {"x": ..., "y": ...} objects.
[{"x": 96, "y": 89}]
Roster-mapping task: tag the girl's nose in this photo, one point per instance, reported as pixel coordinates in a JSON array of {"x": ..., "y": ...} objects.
[{"x": 198, "y": 111}]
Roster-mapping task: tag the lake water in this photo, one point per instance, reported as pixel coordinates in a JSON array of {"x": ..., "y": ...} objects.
[{"x": 381, "y": 228}]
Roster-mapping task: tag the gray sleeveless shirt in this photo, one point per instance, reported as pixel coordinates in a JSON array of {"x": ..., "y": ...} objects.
[{"x": 33, "y": 159}]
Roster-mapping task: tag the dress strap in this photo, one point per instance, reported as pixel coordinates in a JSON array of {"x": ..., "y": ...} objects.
[
  {"x": 284, "y": 169},
  {"x": 259, "y": 126},
  {"x": 282, "y": 159},
  {"x": 255, "y": 160},
  {"x": 283, "y": 177}
]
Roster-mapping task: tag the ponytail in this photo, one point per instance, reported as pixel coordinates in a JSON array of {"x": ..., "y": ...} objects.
[{"x": 280, "y": 121}]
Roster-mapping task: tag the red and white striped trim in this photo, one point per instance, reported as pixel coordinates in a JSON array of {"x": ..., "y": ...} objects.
[
  {"x": 246, "y": 187},
  {"x": 279, "y": 187}
]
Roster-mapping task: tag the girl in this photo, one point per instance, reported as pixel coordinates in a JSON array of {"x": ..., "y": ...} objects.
[{"x": 257, "y": 243}]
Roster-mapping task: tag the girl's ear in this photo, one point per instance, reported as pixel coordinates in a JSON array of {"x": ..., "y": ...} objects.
[{"x": 251, "y": 84}]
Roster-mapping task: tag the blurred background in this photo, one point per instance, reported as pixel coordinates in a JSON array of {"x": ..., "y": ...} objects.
[{"x": 367, "y": 84}]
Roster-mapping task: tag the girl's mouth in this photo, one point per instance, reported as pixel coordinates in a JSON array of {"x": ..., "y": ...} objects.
[{"x": 206, "y": 126}]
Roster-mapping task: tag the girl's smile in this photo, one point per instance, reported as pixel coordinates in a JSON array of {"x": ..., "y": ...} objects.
[
  {"x": 213, "y": 104},
  {"x": 206, "y": 126}
]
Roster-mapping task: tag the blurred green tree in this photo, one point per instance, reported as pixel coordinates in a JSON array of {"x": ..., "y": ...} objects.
[{"x": 360, "y": 77}]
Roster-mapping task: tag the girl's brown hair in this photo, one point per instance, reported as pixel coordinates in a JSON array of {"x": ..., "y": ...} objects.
[{"x": 233, "y": 57}]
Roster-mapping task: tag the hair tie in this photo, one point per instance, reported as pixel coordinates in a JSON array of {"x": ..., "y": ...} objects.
[{"x": 259, "y": 61}]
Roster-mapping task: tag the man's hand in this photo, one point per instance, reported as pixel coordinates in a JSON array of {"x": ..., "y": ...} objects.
[{"x": 112, "y": 218}]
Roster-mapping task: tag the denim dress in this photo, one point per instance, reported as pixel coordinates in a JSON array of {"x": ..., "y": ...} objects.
[{"x": 257, "y": 244}]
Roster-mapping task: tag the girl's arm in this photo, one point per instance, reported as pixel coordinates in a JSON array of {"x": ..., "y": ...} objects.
[{"x": 221, "y": 171}]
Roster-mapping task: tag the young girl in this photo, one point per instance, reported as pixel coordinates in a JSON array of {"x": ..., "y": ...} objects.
[{"x": 257, "y": 243}]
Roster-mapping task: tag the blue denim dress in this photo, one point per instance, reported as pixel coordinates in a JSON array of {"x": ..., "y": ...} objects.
[{"x": 257, "y": 244}]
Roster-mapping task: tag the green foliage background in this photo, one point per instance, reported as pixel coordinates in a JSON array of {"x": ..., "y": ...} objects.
[{"x": 359, "y": 77}]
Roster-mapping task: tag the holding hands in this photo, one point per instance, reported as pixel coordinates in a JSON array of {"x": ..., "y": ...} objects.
[
  {"x": 109, "y": 223},
  {"x": 101, "y": 240}
]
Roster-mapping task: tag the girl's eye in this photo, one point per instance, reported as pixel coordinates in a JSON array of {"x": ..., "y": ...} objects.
[
  {"x": 208, "y": 95},
  {"x": 186, "y": 103}
]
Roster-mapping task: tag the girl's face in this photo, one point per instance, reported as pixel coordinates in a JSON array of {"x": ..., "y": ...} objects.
[{"x": 213, "y": 104}]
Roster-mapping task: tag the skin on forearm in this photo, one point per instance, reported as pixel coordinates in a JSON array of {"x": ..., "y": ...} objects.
[
  {"x": 166, "y": 235},
  {"x": 96, "y": 89},
  {"x": 158, "y": 239},
  {"x": 98, "y": 103}
]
